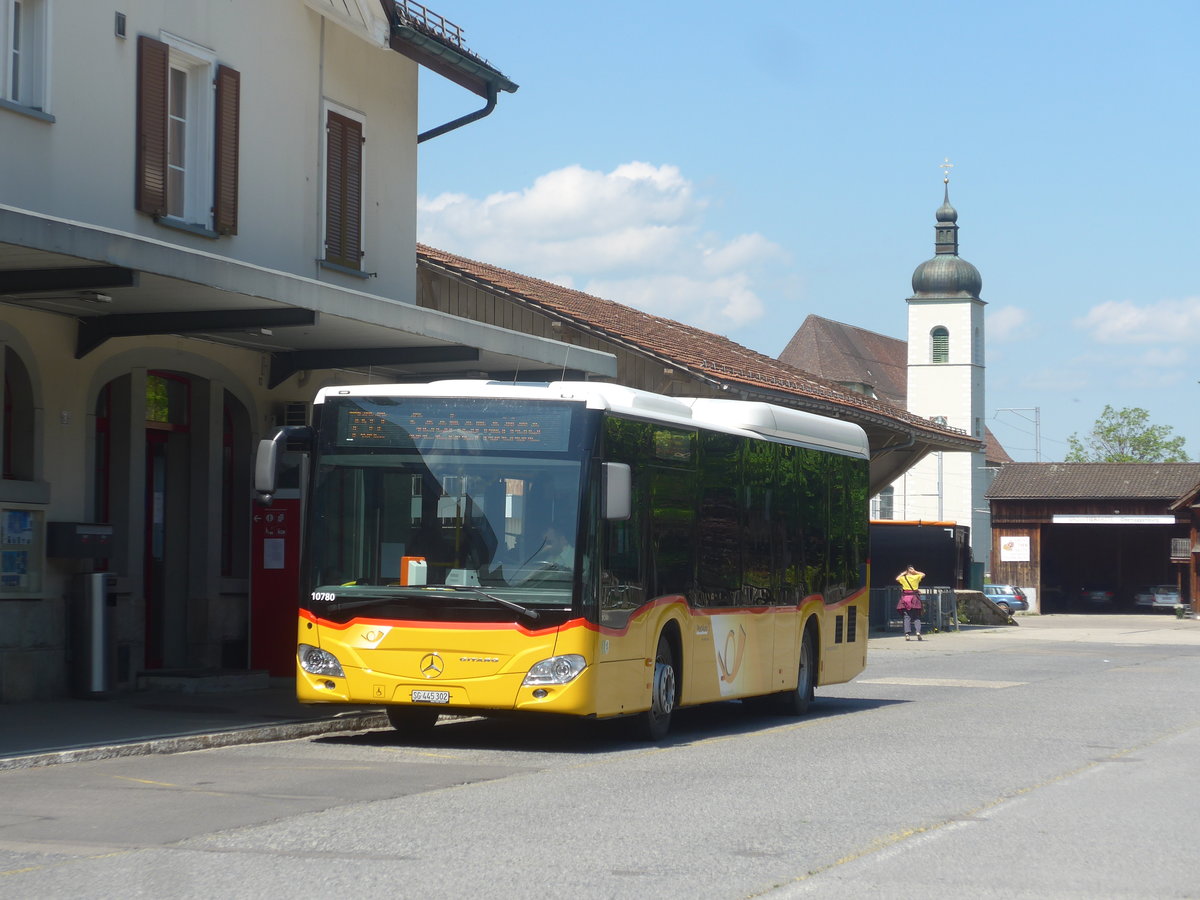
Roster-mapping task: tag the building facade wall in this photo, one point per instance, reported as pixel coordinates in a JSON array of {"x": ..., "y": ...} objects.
[
  {"x": 209, "y": 625},
  {"x": 293, "y": 62},
  {"x": 86, "y": 447}
]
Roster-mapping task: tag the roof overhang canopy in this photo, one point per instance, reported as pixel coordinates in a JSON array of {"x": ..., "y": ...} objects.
[
  {"x": 436, "y": 44},
  {"x": 119, "y": 285}
]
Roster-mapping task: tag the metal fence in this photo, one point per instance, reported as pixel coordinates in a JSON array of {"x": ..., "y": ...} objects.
[{"x": 940, "y": 609}]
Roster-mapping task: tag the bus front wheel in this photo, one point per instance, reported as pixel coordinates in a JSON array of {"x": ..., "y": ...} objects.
[
  {"x": 412, "y": 721},
  {"x": 796, "y": 702},
  {"x": 656, "y": 721}
]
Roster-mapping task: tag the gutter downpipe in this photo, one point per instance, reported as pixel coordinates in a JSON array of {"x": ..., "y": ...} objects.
[
  {"x": 912, "y": 439},
  {"x": 462, "y": 120}
]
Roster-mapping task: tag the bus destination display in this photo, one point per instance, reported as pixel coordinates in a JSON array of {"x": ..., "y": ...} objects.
[{"x": 453, "y": 425}]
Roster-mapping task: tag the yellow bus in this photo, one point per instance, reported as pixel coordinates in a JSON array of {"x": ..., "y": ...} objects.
[{"x": 573, "y": 548}]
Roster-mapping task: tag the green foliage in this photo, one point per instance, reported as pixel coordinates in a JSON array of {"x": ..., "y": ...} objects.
[{"x": 1126, "y": 436}]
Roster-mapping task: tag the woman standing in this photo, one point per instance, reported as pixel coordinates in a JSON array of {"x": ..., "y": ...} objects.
[{"x": 910, "y": 601}]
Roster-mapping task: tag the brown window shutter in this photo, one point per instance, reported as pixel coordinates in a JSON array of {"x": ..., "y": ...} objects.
[
  {"x": 150, "y": 193},
  {"x": 343, "y": 191},
  {"x": 225, "y": 154}
]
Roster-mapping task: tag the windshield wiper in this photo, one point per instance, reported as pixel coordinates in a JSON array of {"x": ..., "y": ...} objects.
[
  {"x": 415, "y": 595},
  {"x": 516, "y": 607},
  {"x": 375, "y": 601}
]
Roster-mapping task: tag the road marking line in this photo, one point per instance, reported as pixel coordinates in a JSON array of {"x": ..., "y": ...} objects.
[
  {"x": 941, "y": 682},
  {"x": 875, "y": 850}
]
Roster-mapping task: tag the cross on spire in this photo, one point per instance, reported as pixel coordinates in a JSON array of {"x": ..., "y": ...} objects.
[{"x": 946, "y": 167}]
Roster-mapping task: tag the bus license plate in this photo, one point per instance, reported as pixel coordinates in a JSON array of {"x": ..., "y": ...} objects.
[{"x": 430, "y": 696}]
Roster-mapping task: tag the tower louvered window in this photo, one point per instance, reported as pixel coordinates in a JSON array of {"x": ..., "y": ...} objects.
[{"x": 940, "y": 345}]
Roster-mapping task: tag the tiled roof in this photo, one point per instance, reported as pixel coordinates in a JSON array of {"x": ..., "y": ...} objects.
[
  {"x": 1107, "y": 481},
  {"x": 702, "y": 352},
  {"x": 993, "y": 452},
  {"x": 844, "y": 353},
  {"x": 847, "y": 354}
]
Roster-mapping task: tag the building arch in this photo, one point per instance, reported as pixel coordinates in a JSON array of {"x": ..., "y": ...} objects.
[
  {"x": 171, "y": 457},
  {"x": 21, "y": 432},
  {"x": 172, "y": 359}
]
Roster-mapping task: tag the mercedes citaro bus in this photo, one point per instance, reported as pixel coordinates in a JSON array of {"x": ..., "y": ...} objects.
[{"x": 476, "y": 548}]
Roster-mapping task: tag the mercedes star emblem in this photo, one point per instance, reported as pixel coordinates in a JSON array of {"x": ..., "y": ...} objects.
[{"x": 432, "y": 665}]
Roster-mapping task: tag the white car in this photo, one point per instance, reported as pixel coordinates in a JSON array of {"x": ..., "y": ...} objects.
[{"x": 1157, "y": 596}]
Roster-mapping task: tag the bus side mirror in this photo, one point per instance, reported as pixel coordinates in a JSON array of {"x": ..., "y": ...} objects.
[
  {"x": 618, "y": 490},
  {"x": 266, "y": 462}
]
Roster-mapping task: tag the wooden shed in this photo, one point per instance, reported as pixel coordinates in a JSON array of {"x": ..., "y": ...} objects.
[{"x": 1065, "y": 530}]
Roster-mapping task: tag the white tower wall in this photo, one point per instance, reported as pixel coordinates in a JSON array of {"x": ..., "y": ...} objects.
[{"x": 946, "y": 384}]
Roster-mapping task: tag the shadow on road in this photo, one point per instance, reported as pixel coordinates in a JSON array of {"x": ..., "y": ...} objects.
[{"x": 574, "y": 735}]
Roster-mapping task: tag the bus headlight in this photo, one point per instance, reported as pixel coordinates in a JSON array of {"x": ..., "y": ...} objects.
[
  {"x": 556, "y": 669},
  {"x": 319, "y": 662}
]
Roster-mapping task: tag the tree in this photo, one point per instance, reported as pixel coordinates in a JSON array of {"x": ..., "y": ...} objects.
[{"x": 1126, "y": 436}]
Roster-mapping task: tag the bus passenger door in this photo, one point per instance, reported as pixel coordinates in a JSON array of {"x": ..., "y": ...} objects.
[{"x": 620, "y": 647}]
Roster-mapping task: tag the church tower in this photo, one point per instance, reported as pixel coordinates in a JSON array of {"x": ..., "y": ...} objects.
[{"x": 946, "y": 384}]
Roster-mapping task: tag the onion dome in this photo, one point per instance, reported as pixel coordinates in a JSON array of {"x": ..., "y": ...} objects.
[{"x": 946, "y": 275}]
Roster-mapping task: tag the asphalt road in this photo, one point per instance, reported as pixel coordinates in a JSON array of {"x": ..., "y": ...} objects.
[{"x": 1051, "y": 760}]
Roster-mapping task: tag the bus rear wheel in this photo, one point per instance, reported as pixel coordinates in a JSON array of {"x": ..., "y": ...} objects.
[
  {"x": 656, "y": 721},
  {"x": 412, "y": 721},
  {"x": 796, "y": 703}
]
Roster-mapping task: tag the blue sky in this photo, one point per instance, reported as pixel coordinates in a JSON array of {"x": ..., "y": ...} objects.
[{"x": 738, "y": 167}]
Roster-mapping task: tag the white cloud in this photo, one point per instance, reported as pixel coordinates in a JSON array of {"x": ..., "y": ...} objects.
[
  {"x": 714, "y": 304},
  {"x": 1125, "y": 322},
  {"x": 1006, "y": 324},
  {"x": 635, "y": 235}
]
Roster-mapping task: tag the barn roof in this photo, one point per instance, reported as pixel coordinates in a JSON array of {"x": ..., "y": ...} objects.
[{"x": 1108, "y": 481}]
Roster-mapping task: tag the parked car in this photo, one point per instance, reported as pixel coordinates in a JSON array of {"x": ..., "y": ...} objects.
[
  {"x": 1157, "y": 596},
  {"x": 1008, "y": 597},
  {"x": 1096, "y": 597}
]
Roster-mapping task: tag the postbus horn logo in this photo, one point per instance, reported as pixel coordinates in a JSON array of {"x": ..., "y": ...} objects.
[{"x": 730, "y": 662}]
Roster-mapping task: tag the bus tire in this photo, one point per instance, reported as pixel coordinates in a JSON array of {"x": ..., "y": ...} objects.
[
  {"x": 796, "y": 703},
  {"x": 656, "y": 721},
  {"x": 412, "y": 721}
]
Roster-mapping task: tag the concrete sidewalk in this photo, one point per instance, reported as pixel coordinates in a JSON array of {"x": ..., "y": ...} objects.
[
  {"x": 164, "y": 721},
  {"x": 170, "y": 721}
]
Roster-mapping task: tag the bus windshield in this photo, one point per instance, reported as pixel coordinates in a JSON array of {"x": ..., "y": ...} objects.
[{"x": 456, "y": 504}]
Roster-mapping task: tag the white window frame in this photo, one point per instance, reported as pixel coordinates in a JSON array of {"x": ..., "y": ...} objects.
[
  {"x": 327, "y": 107},
  {"x": 198, "y": 65},
  {"x": 883, "y": 504},
  {"x": 25, "y": 53}
]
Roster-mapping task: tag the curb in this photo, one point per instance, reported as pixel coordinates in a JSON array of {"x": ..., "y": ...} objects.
[{"x": 252, "y": 734}]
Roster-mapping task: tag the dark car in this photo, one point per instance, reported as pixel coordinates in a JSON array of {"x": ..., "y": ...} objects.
[
  {"x": 1096, "y": 597},
  {"x": 1008, "y": 597}
]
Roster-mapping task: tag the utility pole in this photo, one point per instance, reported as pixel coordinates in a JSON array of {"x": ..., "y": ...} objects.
[{"x": 1037, "y": 425}]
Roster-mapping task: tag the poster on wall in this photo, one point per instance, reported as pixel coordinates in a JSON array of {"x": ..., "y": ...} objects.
[
  {"x": 1014, "y": 549},
  {"x": 14, "y": 569},
  {"x": 17, "y": 527}
]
